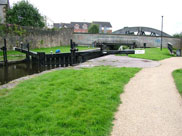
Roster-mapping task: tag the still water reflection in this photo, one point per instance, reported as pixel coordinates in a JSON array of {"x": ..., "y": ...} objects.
[{"x": 15, "y": 71}]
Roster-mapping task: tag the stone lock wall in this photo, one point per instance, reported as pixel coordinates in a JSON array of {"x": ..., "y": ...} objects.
[{"x": 39, "y": 38}]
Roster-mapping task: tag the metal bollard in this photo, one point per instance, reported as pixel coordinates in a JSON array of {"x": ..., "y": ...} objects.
[{"x": 178, "y": 52}]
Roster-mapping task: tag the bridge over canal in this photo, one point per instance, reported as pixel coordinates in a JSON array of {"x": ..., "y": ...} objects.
[
  {"x": 141, "y": 31},
  {"x": 151, "y": 41}
]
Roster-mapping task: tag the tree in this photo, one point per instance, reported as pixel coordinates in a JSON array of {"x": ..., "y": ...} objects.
[
  {"x": 178, "y": 35},
  {"x": 25, "y": 14},
  {"x": 94, "y": 29}
]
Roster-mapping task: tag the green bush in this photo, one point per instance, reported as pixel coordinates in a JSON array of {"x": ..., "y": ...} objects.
[
  {"x": 178, "y": 35},
  {"x": 12, "y": 29},
  {"x": 93, "y": 29},
  {"x": 25, "y": 14}
]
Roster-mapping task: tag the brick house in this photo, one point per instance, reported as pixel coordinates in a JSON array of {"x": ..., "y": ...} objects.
[
  {"x": 82, "y": 27},
  {"x": 62, "y": 25},
  {"x": 104, "y": 27}
]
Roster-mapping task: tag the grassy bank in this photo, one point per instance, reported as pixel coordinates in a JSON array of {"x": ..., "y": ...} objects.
[
  {"x": 14, "y": 55},
  {"x": 64, "y": 103},
  {"x": 178, "y": 79},
  {"x": 153, "y": 54}
]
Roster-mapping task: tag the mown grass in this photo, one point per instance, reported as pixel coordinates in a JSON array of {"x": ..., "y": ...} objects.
[
  {"x": 14, "y": 55},
  {"x": 64, "y": 103},
  {"x": 177, "y": 74},
  {"x": 153, "y": 54},
  {"x": 11, "y": 52}
]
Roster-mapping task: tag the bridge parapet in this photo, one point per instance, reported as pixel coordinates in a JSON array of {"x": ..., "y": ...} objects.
[
  {"x": 140, "y": 31},
  {"x": 151, "y": 41}
]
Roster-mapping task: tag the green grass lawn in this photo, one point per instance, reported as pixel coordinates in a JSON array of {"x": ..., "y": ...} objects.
[
  {"x": 178, "y": 79},
  {"x": 153, "y": 54},
  {"x": 64, "y": 103},
  {"x": 14, "y": 55}
]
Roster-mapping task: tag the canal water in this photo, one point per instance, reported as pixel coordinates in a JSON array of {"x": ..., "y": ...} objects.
[{"x": 15, "y": 71}]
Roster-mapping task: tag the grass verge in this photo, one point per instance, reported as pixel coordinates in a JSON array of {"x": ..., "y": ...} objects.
[
  {"x": 178, "y": 79},
  {"x": 13, "y": 55},
  {"x": 153, "y": 54},
  {"x": 66, "y": 103}
]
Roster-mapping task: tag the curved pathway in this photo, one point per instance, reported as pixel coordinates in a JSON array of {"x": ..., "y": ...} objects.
[{"x": 151, "y": 104}]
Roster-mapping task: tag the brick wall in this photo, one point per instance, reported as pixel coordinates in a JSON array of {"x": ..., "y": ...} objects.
[{"x": 81, "y": 30}]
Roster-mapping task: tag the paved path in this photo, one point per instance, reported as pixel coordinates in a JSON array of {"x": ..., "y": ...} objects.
[
  {"x": 151, "y": 104},
  {"x": 120, "y": 61}
]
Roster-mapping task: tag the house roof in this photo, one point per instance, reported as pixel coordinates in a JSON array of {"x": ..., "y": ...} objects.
[
  {"x": 72, "y": 24},
  {"x": 60, "y": 25},
  {"x": 67, "y": 25},
  {"x": 103, "y": 24},
  {"x": 80, "y": 23},
  {"x": 57, "y": 25},
  {"x": 4, "y": 2}
]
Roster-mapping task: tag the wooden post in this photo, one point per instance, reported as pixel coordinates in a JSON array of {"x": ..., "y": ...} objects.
[
  {"x": 41, "y": 58},
  {"x": 5, "y": 53},
  {"x": 66, "y": 60},
  {"x": 21, "y": 45},
  {"x": 6, "y": 77},
  {"x": 72, "y": 52},
  {"x": 47, "y": 61},
  {"x": 62, "y": 61},
  {"x": 53, "y": 60},
  {"x": 57, "y": 61},
  {"x": 28, "y": 53}
]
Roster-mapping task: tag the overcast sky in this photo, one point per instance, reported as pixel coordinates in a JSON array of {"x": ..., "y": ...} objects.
[{"x": 120, "y": 13}]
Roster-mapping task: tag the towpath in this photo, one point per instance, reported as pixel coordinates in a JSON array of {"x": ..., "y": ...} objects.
[{"x": 151, "y": 104}]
